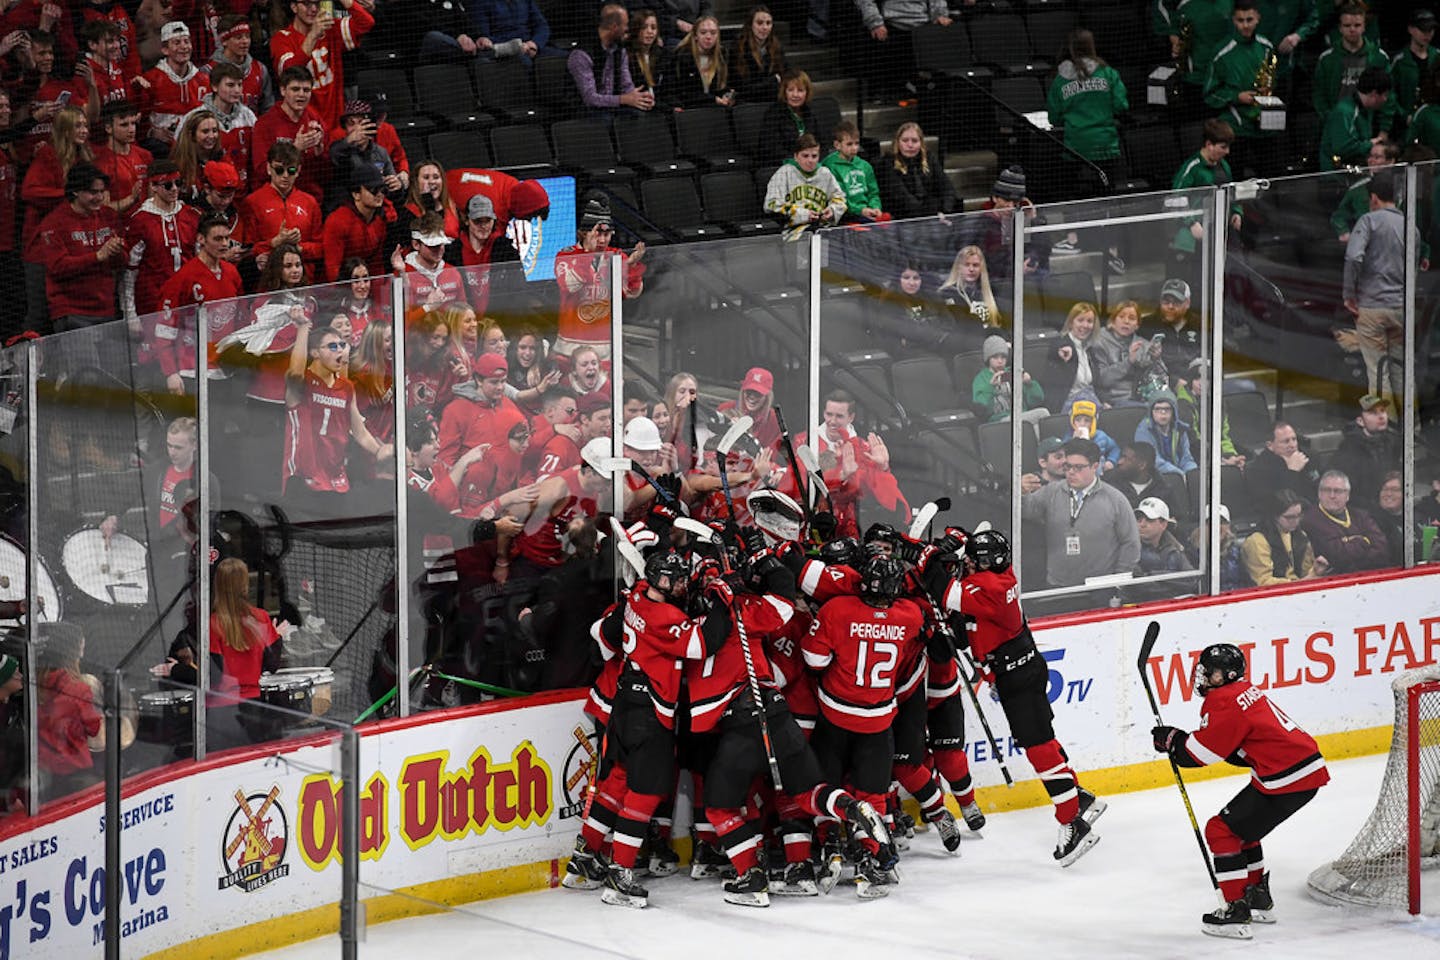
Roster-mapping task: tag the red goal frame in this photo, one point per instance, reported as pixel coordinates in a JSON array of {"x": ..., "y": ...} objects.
[{"x": 1412, "y": 785}]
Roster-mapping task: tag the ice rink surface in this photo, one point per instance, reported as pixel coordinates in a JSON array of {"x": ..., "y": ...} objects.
[{"x": 1139, "y": 893}]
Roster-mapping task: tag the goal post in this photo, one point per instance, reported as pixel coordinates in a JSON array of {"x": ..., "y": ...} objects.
[{"x": 1382, "y": 865}]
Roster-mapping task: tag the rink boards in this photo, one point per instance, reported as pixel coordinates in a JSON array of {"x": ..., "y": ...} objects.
[{"x": 240, "y": 854}]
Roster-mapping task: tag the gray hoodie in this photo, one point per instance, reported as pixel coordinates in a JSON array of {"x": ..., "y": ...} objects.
[{"x": 1117, "y": 379}]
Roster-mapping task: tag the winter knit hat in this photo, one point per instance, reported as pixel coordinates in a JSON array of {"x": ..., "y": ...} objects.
[
  {"x": 1011, "y": 185},
  {"x": 1084, "y": 408},
  {"x": 597, "y": 212},
  {"x": 994, "y": 346},
  {"x": 1165, "y": 396}
]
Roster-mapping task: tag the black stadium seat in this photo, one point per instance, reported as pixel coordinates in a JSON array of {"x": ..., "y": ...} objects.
[
  {"x": 673, "y": 203},
  {"x": 399, "y": 104},
  {"x": 506, "y": 91},
  {"x": 1000, "y": 40},
  {"x": 522, "y": 147},
  {"x": 442, "y": 90},
  {"x": 584, "y": 148},
  {"x": 1049, "y": 30},
  {"x": 748, "y": 119},
  {"x": 729, "y": 199},
  {"x": 945, "y": 52},
  {"x": 704, "y": 136},
  {"x": 455, "y": 149},
  {"x": 645, "y": 143}
]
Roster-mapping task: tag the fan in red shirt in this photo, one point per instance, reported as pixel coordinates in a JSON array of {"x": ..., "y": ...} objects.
[
  {"x": 44, "y": 92},
  {"x": 1239, "y": 724},
  {"x": 208, "y": 277},
  {"x": 583, "y": 274},
  {"x": 82, "y": 247},
  {"x": 174, "y": 86},
  {"x": 120, "y": 158},
  {"x": 243, "y": 640},
  {"x": 317, "y": 40},
  {"x": 295, "y": 120},
  {"x": 357, "y": 229},
  {"x": 862, "y": 466},
  {"x": 159, "y": 238},
  {"x": 322, "y": 418},
  {"x": 480, "y": 413},
  {"x": 67, "y": 714},
  {"x": 114, "y": 11},
  {"x": 236, "y": 121},
  {"x": 234, "y": 49},
  {"x": 756, "y": 400},
  {"x": 43, "y": 16},
  {"x": 281, "y": 212},
  {"x": 429, "y": 280},
  {"x": 105, "y": 74}
]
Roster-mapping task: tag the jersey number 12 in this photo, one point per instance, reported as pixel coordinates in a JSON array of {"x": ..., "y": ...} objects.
[{"x": 884, "y": 655}]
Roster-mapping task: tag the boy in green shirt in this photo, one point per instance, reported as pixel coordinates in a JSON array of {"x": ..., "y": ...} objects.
[
  {"x": 1207, "y": 168},
  {"x": 856, "y": 176},
  {"x": 1349, "y": 128},
  {"x": 1340, "y": 66},
  {"x": 1410, "y": 66}
]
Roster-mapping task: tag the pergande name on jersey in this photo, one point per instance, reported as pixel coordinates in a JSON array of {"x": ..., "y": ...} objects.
[{"x": 877, "y": 631}]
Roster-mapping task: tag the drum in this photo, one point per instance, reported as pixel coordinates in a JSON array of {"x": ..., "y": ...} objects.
[
  {"x": 113, "y": 572},
  {"x": 166, "y": 716},
  {"x": 322, "y": 680},
  {"x": 288, "y": 691},
  {"x": 12, "y": 580}
]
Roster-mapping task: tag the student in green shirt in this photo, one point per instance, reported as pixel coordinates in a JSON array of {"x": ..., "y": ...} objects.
[
  {"x": 1340, "y": 66},
  {"x": 1085, "y": 98},
  {"x": 1207, "y": 168},
  {"x": 1413, "y": 64},
  {"x": 1424, "y": 126},
  {"x": 1205, "y": 24},
  {"x": 1356, "y": 202},
  {"x": 1289, "y": 23},
  {"x": 1350, "y": 127},
  {"x": 856, "y": 176}
]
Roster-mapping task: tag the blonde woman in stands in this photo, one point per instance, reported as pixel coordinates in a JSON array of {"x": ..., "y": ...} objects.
[
  {"x": 43, "y": 189},
  {"x": 197, "y": 143},
  {"x": 681, "y": 399},
  {"x": 649, "y": 58},
  {"x": 966, "y": 290},
  {"x": 913, "y": 183},
  {"x": 757, "y": 60},
  {"x": 1068, "y": 374},
  {"x": 698, "y": 76}
]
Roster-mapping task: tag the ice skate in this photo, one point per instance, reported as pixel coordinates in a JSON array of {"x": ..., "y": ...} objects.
[
  {"x": 751, "y": 890},
  {"x": 1091, "y": 806},
  {"x": 865, "y": 821},
  {"x": 904, "y": 831},
  {"x": 1076, "y": 839},
  {"x": 584, "y": 870},
  {"x": 708, "y": 862},
  {"x": 1231, "y": 920},
  {"x": 622, "y": 889},
  {"x": 870, "y": 880},
  {"x": 949, "y": 831},
  {"x": 832, "y": 865},
  {"x": 974, "y": 819},
  {"x": 663, "y": 861},
  {"x": 799, "y": 881},
  {"x": 1258, "y": 899}
]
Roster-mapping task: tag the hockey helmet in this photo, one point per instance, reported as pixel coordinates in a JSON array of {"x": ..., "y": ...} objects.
[
  {"x": 776, "y": 514},
  {"x": 842, "y": 552},
  {"x": 880, "y": 533},
  {"x": 881, "y": 579},
  {"x": 669, "y": 572},
  {"x": 1226, "y": 659},
  {"x": 990, "y": 549}
]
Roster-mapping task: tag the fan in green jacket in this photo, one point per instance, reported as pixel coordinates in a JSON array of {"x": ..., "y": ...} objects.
[
  {"x": 1205, "y": 24},
  {"x": 1207, "y": 168},
  {"x": 854, "y": 173},
  {"x": 1085, "y": 98},
  {"x": 1411, "y": 65},
  {"x": 1230, "y": 83},
  {"x": 1289, "y": 23},
  {"x": 1356, "y": 202},
  {"x": 1341, "y": 64},
  {"x": 1350, "y": 128}
]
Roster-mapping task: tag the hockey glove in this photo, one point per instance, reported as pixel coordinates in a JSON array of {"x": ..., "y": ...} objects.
[
  {"x": 953, "y": 541},
  {"x": 1163, "y": 736},
  {"x": 824, "y": 525},
  {"x": 719, "y": 591},
  {"x": 791, "y": 556},
  {"x": 670, "y": 483}
]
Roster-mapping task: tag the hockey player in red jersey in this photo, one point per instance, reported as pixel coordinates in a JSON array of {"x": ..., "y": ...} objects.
[
  {"x": 999, "y": 638},
  {"x": 857, "y": 644},
  {"x": 1240, "y": 725}
]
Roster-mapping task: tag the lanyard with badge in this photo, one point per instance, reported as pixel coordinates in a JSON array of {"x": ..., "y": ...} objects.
[{"x": 1072, "y": 538}]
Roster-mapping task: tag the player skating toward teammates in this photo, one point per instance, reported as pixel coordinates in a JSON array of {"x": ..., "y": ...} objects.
[
  {"x": 1239, "y": 725},
  {"x": 857, "y": 644},
  {"x": 723, "y": 701},
  {"x": 1000, "y": 639}
]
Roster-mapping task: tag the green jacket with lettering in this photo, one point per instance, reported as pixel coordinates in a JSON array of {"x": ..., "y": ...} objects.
[
  {"x": 857, "y": 179},
  {"x": 1337, "y": 70},
  {"x": 1087, "y": 106}
]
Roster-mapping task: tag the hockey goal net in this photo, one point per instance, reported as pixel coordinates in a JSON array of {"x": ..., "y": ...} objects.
[{"x": 1402, "y": 837}]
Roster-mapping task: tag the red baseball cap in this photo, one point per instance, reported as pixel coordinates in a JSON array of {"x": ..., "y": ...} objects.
[
  {"x": 758, "y": 379},
  {"x": 221, "y": 175},
  {"x": 491, "y": 365},
  {"x": 588, "y": 403}
]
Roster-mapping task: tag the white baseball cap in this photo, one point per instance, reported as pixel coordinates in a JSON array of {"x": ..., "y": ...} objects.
[
  {"x": 172, "y": 30},
  {"x": 642, "y": 434},
  {"x": 1154, "y": 508},
  {"x": 596, "y": 455}
]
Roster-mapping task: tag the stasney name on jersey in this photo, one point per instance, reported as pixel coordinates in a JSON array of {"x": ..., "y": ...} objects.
[{"x": 1240, "y": 724}]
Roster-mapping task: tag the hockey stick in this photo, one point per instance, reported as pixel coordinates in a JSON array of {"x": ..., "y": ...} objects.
[
  {"x": 1152, "y": 633},
  {"x": 800, "y": 486},
  {"x": 665, "y": 495},
  {"x": 722, "y": 453},
  {"x": 944, "y": 624},
  {"x": 818, "y": 486},
  {"x": 626, "y": 549},
  {"x": 705, "y": 533},
  {"x": 926, "y": 515}
]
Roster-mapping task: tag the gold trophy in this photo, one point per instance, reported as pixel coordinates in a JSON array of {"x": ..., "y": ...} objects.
[{"x": 1272, "y": 108}]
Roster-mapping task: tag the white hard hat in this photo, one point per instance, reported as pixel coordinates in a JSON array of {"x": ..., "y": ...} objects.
[
  {"x": 642, "y": 434},
  {"x": 596, "y": 454}
]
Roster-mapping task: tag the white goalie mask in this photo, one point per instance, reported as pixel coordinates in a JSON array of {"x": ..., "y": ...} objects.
[{"x": 777, "y": 515}]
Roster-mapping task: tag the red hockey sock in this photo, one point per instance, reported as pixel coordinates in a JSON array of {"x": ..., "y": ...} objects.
[
  {"x": 954, "y": 766},
  {"x": 739, "y": 836},
  {"x": 921, "y": 784},
  {"x": 1230, "y": 859},
  {"x": 602, "y": 810},
  {"x": 1053, "y": 766},
  {"x": 630, "y": 829},
  {"x": 1254, "y": 862}
]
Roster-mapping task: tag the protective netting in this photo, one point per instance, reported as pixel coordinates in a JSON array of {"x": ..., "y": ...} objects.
[{"x": 1374, "y": 870}]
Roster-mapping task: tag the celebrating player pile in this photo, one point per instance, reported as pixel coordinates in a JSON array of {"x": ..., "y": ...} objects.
[{"x": 801, "y": 685}]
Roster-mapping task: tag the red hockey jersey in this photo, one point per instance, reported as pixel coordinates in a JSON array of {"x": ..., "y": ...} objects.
[
  {"x": 715, "y": 681},
  {"x": 317, "y": 435},
  {"x": 324, "y": 60},
  {"x": 858, "y": 650},
  {"x": 1238, "y": 719},
  {"x": 659, "y": 637},
  {"x": 157, "y": 244}
]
